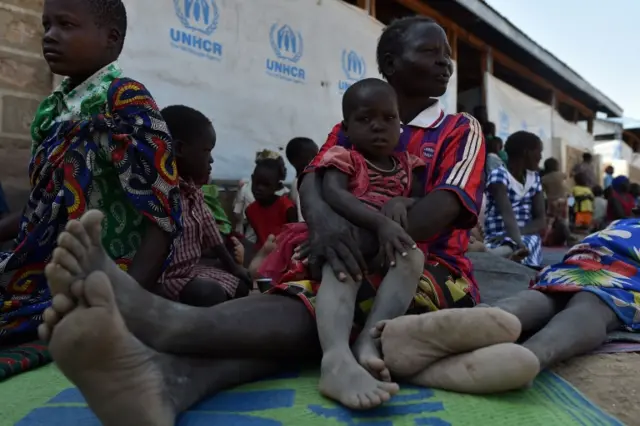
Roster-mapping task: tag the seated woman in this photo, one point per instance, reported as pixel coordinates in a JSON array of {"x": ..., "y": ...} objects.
[
  {"x": 357, "y": 183},
  {"x": 99, "y": 142},
  {"x": 515, "y": 203}
]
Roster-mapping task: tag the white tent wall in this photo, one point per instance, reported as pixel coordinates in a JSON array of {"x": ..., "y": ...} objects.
[
  {"x": 263, "y": 71},
  {"x": 512, "y": 110}
]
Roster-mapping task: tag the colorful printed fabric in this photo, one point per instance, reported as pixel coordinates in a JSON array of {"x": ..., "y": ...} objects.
[
  {"x": 452, "y": 147},
  {"x": 21, "y": 358},
  {"x": 199, "y": 233},
  {"x": 605, "y": 263},
  {"x": 104, "y": 149},
  {"x": 212, "y": 199},
  {"x": 521, "y": 198}
]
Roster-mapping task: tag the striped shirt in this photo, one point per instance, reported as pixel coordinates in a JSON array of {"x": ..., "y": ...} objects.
[
  {"x": 199, "y": 233},
  {"x": 452, "y": 148}
]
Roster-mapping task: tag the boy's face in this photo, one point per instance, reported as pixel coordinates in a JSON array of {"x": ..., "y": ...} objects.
[
  {"x": 373, "y": 127},
  {"x": 72, "y": 44},
  {"x": 424, "y": 66},
  {"x": 194, "y": 157}
]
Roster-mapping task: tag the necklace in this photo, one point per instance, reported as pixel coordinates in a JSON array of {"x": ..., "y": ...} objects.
[{"x": 381, "y": 170}]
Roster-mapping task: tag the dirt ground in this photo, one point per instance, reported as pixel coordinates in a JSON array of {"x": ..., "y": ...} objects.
[{"x": 612, "y": 381}]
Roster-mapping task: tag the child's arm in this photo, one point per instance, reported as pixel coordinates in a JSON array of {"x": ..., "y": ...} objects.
[
  {"x": 292, "y": 215},
  {"x": 10, "y": 226},
  {"x": 391, "y": 236},
  {"x": 538, "y": 222},
  {"x": 335, "y": 193},
  {"x": 499, "y": 193},
  {"x": 149, "y": 260}
]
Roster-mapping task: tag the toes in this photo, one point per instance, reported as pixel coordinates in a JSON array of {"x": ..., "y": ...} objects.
[
  {"x": 77, "y": 232},
  {"x": 98, "y": 291},
  {"x": 383, "y": 395},
  {"x": 62, "y": 304},
  {"x": 376, "y": 332},
  {"x": 68, "y": 260},
  {"x": 50, "y": 317},
  {"x": 44, "y": 332},
  {"x": 58, "y": 278},
  {"x": 390, "y": 387},
  {"x": 385, "y": 375},
  {"x": 92, "y": 223}
]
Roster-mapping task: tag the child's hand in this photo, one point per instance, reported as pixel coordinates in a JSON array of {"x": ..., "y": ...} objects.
[
  {"x": 396, "y": 210},
  {"x": 394, "y": 239}
]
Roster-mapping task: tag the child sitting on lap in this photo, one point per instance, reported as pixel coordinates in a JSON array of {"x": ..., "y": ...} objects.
[
  {"x": 356, "y": 184},
  {"x": 270, "y": 211},
  {"x": 186, "y": 279}
]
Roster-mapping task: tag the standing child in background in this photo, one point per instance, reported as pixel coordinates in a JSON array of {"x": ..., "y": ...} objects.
[
  {"x": 634, "y": 190},
  {"x": 357, "y": 184},
  {"x": 608, "y": 176},
  {"x": 584, "y": 201},
  {"x": 270, "y": 211},
  {"x": 300, "y": 152},
  {"x": 494, "y": 146},
  {"x": 555, "y": 188},
  {"x": 599, "y": 208},
  {"x": 187, "y": 279}
]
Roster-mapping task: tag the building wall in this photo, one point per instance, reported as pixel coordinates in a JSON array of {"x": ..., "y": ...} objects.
[{"x": 25, "y": 80}]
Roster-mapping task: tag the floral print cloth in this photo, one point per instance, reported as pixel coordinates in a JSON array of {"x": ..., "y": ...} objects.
[{"x": 605, "y": 263}]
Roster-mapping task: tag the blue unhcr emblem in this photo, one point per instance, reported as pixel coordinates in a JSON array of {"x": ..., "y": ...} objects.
[
  {"x": 198, "y": 15},
  {"x": 286, "y": 43},
  {"x": 353, "y": 65}
]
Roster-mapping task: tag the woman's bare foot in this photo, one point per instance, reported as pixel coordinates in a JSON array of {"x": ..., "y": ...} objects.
[
  {"x": 412, "y": 343},
  {"x": 367, "y": 352},
  {"x": 118, "y": 375},
  {"x": 344, "y": 380},
  {"x": 497, "y": 368}
]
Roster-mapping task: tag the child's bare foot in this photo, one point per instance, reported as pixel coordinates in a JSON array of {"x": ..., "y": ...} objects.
[
  {"x": 238, "y": 251},
  {"x": 497, "y": 368},
  {"x": 268, "y": 247},
  {"x": 119, "y": 376},
  {"x": 519, "y": 255},
  {"x": 347, "y": 382},
  {"x": 411, "y": 343},
  {"x": 367, "y": 352}
]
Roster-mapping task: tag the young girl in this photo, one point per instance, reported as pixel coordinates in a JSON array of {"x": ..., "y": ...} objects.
[
  {"x": 357, "y": 184},
  {"x": 620, "y": 202},
  {"x": 99, "y": 141},
  {"x": 515, "y": 203},
  {"x": 270, "y": 211},
  {"x": 190, "y": 279},
  {"x": 555, "y": 189}
]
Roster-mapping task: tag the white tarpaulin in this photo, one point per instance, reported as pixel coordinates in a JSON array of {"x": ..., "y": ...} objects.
[
  {"x": 264, "y": 71},
  {"x": 572, "y": 134},
  {"x": 512, "y": 110}
]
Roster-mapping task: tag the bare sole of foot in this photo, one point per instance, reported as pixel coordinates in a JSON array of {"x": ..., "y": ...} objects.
[
  {"x": 91, "y": 345},
  {"x": 411, "y": 343},
  {"x": 367, "y": 352},
  {"x": 497, "y": 368},
  {"x": 344, "y": 380}
]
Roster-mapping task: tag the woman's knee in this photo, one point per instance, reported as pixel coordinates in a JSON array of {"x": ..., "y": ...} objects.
[{"x": 415, "y": 261}]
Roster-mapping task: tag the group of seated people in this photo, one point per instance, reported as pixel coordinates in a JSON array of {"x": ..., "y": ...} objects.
[{"x": 119, "y": 265}]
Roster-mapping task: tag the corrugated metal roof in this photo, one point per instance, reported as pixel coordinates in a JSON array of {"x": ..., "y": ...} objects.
[{"x": 489, "y": 15}]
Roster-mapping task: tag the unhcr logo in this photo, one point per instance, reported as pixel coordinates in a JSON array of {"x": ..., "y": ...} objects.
[
  {"x": 288, "y": 47},
  {"x": 199, "y": 19},
  {"x": 354, "y": 68}
]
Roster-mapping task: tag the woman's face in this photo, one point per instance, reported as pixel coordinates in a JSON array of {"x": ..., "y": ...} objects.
[{"x": 424, "y": 65}]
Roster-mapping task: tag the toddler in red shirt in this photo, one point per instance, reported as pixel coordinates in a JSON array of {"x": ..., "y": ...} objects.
[{"x": 269, "y": 212}]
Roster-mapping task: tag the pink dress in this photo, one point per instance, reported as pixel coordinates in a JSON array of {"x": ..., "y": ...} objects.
[{"x": 371, "y": 186}]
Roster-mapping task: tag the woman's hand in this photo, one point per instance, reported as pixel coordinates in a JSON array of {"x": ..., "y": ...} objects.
[
  {"x": 332, "y": 239},
  {"x": 394, "y": 240},
  {"x": 396, "y": 210}
]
